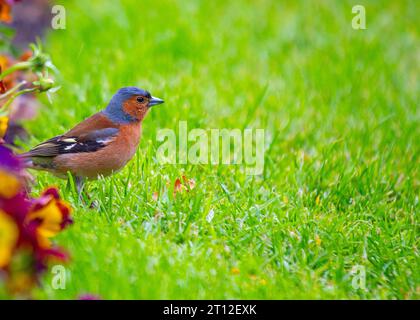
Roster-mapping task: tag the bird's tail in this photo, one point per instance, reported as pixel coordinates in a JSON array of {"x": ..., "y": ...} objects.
[{"x": 26, "y": 159}]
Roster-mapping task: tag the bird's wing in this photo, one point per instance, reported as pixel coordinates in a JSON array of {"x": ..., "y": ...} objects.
[
  {"x": 90, "y": 135},
  {"x": 87, "y": 142}
]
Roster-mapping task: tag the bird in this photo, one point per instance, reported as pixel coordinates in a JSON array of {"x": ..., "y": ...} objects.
[{"x": 98, "y": 146}]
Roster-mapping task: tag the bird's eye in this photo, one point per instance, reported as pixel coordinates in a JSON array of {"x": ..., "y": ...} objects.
[{"x": 140, "y": 99}]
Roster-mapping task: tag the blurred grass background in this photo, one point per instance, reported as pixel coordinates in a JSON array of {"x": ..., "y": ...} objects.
[{"x": 341, "y": 180}]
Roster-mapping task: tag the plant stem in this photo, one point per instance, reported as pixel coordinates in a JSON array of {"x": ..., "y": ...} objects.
[
  {"x": 15, "y": 88},
  {"x": 18, "y": 66},
  {"x": 15, "y": 95}
]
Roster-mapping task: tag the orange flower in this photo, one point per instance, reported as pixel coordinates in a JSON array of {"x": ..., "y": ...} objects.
[
  {"x": 9, "y": 81},
  {"x": 25, "y": 56},
  {"x": 5, "y": 10},
  {"x": 177, "y": 186},
  {"x": 189, "y": 182},
  {"x": 187, "y": 185}
]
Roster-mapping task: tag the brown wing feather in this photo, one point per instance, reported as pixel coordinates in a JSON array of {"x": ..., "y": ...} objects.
[
  {"x": 96, "y": 122},
  {"x": 80, "y": 133}
]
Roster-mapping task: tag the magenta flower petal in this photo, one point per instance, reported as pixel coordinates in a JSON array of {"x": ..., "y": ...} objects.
[{"x": 8, "y": 161}]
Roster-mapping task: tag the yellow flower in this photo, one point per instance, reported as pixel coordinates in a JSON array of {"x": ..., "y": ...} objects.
[
  {"x": 317, "y": 200},
  {"x": 8, "y": 237},
  {"x": 51, "y": 220},
  {"x": 4, "y": 121},
  {"x": 3, "y": 61},
  {"x": 9, "y": 185}
]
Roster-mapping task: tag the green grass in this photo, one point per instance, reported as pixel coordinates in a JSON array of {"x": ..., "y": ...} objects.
[{"x": 341, "y": 117}]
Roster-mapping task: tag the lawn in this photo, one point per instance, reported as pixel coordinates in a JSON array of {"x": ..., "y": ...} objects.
[{"x": 339, "y": 194}]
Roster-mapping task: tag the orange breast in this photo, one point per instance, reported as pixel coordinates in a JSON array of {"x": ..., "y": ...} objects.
[{"x": 105, "y": 161}]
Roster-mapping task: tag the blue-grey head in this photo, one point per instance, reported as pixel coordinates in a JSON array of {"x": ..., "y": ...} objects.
[{"x": 130, "y": 104}]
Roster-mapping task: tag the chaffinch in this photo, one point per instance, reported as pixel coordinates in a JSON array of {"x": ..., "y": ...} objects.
[{"x": 101, "y": 144}]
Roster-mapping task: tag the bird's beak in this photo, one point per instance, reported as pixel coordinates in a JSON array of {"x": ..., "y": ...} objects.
[{"x": 155, "y": 101}]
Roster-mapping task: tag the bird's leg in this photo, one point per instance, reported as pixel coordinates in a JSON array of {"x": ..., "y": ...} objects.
[{"x": 80, "y": 185}]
